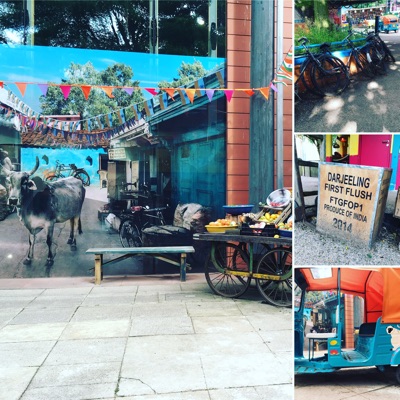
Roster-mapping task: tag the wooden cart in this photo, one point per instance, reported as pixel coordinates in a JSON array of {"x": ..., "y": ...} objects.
[{"x": 235, "y": 259}]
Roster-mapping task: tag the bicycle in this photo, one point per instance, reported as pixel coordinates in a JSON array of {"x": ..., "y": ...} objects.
[
  {"x": 362, "y": 62},
  {"x": 64, "y": 171},
  {"x": 134, "y": 220},
  {"x": 379, "y": 52},
  {"x": 328, "y": 74}
]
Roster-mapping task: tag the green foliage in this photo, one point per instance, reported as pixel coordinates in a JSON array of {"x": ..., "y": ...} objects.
[
  {"x": 317, "y": 35},
  {"x": 98, "y": 102},
  {"x": 188, "y": 73}
]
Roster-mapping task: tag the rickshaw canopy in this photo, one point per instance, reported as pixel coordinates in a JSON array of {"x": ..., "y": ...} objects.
[
  {"x": 380, "y": 288},
  {"x": 389, "y": 19}
]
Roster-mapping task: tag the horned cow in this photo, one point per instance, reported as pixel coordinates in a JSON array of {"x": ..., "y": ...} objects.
[{"x": 40, "y": 208}]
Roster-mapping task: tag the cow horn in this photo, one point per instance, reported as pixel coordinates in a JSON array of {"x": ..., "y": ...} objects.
[{"x": 35, "y": 168}]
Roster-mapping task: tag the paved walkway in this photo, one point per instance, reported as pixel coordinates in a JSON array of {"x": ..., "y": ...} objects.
[
  {"x": 365, "y": 106},
  {"x": 140, "y": 338}
]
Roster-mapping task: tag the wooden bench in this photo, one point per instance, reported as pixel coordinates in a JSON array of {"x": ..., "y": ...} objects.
[{"x": 123, "y": 252}]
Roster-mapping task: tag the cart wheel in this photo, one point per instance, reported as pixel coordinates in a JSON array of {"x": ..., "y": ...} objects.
[
  {"x": 129, "y": 234},
  {"x": 276, "y": 262},
  {"x": 228, "y": 257}
]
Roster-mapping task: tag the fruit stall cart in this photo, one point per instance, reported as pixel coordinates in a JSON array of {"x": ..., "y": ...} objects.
[{"x": 257, "y": 250}]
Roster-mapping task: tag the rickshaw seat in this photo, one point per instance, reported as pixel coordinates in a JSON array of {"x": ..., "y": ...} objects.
[{"x": 367, "y": 329}]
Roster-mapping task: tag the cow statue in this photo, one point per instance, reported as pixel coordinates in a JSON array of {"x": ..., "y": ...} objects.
[{"x": 40, "y": 208}]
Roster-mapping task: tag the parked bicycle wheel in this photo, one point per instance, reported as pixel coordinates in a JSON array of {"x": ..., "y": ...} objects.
[
  {"x": 276, "y": 262},
  {"x": 330, "y": 76},
  {"x": 364, "y": 63},
  {"x": 227, "y": 257},
  {"x": 129, "y": 234},
  {"x": 83, "y": 176}
]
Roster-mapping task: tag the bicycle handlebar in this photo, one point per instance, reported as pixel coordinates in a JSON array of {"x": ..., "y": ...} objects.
[{"x": 303, "y": 40}]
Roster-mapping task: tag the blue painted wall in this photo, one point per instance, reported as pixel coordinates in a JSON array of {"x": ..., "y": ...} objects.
[{"x": 65, "y": 156}]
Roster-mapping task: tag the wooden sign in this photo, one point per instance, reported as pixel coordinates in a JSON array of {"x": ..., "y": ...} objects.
[{"x": 352, "y": 201}]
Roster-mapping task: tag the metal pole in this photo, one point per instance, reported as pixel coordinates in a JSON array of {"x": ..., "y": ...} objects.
[
  {"x": 279, "y": 100},
  {"x": 31, "y": 12},
  {"x": 153, "y": 26}
]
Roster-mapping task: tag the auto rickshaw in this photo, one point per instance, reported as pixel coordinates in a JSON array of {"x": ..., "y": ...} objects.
[
  {"x": 388, "y": 23},
  {"x": 374, "y": 296}
]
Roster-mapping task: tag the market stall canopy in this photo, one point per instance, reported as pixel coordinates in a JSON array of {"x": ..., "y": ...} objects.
[{"x": 378, "y": 287}]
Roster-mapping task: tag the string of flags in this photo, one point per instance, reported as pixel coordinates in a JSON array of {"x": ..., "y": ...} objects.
[{"x": 107, "y": 125}]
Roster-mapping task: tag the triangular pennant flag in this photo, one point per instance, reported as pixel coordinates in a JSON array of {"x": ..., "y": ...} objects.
[
  {"x": 108, "y": 90},
  {"x": 170, "y": 92},
  {"x": 86, "y": 90},
  {"x": 190, "y": 93},
  {"x": 265, "y": 92},
  {"x": 152, "y": 91},
  {"x": 128, "y": 90},
  {"x": 65, "y": 90},
  {"x": 273, "y": 87},
  {"x": 210, "y": 94},
  {"x": 43, "y": 88},
  {"x": 1, "y": 84},
  {"x": 249, "y": 92},
  {"x": 228, "y": 94},
  {"x": 22, "y": 87},
  {"x": 285, "y": 70}
]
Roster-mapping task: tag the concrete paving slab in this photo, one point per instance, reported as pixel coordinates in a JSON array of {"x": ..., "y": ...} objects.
[
  {"x": 146, "y": 326},
  {"x": 221, "y": 324},
  {"x": 24, "y": 354},
  {"x": 43, "y": 315},
  {"x": 31, "y": 333},
  {"x": 188, "y": 395},
  {"x": 188, "y": 296},
  {"x": 70, "y": 292},
  {"x": 271, "y": 322},
  {"x": 272, "y": 392},
  {"x": 159, "y": 310},
  {"x": 96, "y": 329},
  {"x": 77, "y": 374},
  {"x": 209, "y": 309},
  {"x": 108, "y": 300},
  {"x": 73, "y": 392},
  {"x": 13, "y": 301},
  {"x": 7, "y": 314},
  {"x": 57, "y": 301},
  {"x": 32, "y": 293},
  {"x": 107, "y": 290},
  {"x": 14, "y": 381},
  {"x": 176, "y": 373},
  {"x": 230, "y": 343},
  {"x": 86, "y": 351},
  {"x": 123, "y": 311},
  {"x": 229, "y": 371},
  {"x": 278, "y": 341}
]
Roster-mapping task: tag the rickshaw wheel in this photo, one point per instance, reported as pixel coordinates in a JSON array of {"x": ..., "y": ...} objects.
[
  {"x": 229, "y": 258},
  {"x": 276, "y": 262}
]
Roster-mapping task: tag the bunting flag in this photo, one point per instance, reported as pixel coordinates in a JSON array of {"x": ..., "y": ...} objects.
[
  {"x": 108, "y": 90},
  {"x": 86, "y": 90},
  {"x": 161, "y": 99},
  {"x": 228, "y": 94},
  {"x": 210, "y": 94},
  {"x": 65, "y": 90},
  {"x": 190, "y": 93},
  {"x": 170, "y": 93},
  {"x": 21, "y": 87},
  {"x": 265, "y": 92},
  {"x": 43, "y": 88},
  {"x": 285, "y": 70},
  {"x": 273, "y": 87}
]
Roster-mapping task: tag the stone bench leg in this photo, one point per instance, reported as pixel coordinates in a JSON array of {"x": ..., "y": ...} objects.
[{"x": 98, "y": 273}]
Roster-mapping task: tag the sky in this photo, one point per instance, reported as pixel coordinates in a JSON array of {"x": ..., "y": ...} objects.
[{"x": 48, "y": 64}]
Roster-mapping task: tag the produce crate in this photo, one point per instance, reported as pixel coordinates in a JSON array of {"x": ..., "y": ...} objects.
[{"x": 268, "y": 230}]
